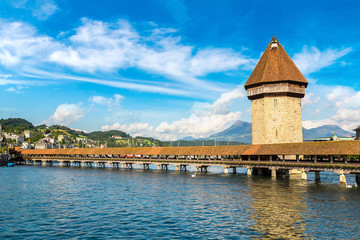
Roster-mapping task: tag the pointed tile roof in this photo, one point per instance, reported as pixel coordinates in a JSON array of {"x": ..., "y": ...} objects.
[{"x": 275, "y": 65}]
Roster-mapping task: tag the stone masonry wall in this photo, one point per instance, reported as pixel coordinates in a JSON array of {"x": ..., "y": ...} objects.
[{"x": 276, "y": 120}]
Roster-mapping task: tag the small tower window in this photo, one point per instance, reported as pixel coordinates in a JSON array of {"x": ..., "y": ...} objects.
[
  {"x": 276, "y": 133},
  {"x": 275, "y": 103}
]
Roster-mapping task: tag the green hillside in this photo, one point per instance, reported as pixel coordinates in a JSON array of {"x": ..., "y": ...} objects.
[{"x": 16, "y": 125}]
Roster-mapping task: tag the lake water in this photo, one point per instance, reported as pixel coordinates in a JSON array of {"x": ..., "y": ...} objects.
[{"x": 80, "y": 203}]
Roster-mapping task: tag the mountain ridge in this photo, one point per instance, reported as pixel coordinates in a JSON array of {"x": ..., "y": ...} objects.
[{"x": 240, "y": 131}]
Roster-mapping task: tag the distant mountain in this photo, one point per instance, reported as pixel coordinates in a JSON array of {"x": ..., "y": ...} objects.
[
  {"x": 325, "y": 131},
  {"x": 240, "y": 131}
]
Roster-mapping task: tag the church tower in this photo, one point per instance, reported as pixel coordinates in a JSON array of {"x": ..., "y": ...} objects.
[{"x": 275, "y": 89}]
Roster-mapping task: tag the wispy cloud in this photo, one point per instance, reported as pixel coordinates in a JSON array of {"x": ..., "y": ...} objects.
[
  {"x": 99, "y": 50},
  {"x": 311, "y": 59},
  {"x": 109, "y": 102},
  {"x": 20, "y": 45},
  {"x": 17, "y": 90},
  {"x": 41, "y": 9},
  {"x": 105, "y": 47},
  {"x": 309, "y": 99}
]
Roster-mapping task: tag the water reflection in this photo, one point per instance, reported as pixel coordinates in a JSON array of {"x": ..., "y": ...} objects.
[{"x": 278, "y": 207}]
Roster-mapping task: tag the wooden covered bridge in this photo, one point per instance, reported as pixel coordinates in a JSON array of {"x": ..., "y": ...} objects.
[{"x": 292, "y": 160}]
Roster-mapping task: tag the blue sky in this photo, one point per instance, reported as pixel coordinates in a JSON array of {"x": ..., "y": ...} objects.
[{"x": 170, "y": 68}]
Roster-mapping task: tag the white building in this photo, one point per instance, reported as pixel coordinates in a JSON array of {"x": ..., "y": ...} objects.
[{"x": 28, "y": 134}]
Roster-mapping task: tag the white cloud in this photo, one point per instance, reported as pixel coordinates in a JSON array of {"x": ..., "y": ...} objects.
[
  {"x": 41, "y": 9},
  {"x": 44, "y": 9},
  {"x": 66, "y": 114},
  {"x": 5, "y": 75},
  {"x": 21, "y": 45},
  {"x": 312, "y": 59},
  {"x": 346, "y": 103},
  {"x": 109, "y": 102},
  {"x": 347, "y": 115},
  {"x": 216, "y": 60},
  {"x": 17, "y": 90},
  {"x": 134, "y": 129},
  {"x": 105, "y": 47},
  {"x": 308, "y": 124},
  {"x": 204, "y": 120},
  {"x": 196, "y": 126},
  {"x": 345, "y": 97},
  {"x": 339, "y": 93},
  {"x": 308, "y": 100}
]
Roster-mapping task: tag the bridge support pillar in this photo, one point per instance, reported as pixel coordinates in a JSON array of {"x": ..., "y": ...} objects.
[
  {"x": 177, "y": 167},
  {"x": 129, "y": 165},
  {"x": 182, "y": 168},
  {"x": 286, "y": 173},
  {"x": 317, "y": 176},
  {"x": 226, "y": 170},
  {"x": 303, "y": 175},
  {"x": 295, "y": 174},
  {"x": 342, "y": 177},
  {"x": 164, "y": 167},
  {"x": 248, "y": 171},
  {"x": 201, "y": 169},
  {"x": 357, "y": 179},
  {"x": 116, "y": 165},
  {"x": 234, "y": 170},
  {"x": 273, "y": 173}
]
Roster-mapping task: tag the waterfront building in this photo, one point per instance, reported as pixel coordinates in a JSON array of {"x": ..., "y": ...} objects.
[
  {"x": 42, "y": 145},
  {"x": 334, "y": 137},
  {"x": 357, "y": 130},
  {"x": 26, "y": 145},
  {"x": 275, "y": 88}
]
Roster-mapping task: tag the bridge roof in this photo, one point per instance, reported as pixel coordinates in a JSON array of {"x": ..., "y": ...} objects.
[{"x": 306, "y": 148}]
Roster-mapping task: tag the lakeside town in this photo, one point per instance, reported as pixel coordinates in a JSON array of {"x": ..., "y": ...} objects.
[{"x": 18, "y": 132}]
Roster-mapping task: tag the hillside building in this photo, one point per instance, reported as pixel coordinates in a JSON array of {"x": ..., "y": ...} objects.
[
  {"x": 275, "y": 88},
  {"x": 28, "y": 134}
]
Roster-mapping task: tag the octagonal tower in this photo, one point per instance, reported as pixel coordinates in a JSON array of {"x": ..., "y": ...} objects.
[{"x": 275, "y": 89}]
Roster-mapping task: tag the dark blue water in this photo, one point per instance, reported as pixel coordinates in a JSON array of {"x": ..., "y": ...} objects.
[{"x": 78, "y": 203}]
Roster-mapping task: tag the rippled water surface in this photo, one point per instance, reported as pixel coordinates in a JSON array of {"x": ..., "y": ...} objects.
[{"x": 80, "y": 203}]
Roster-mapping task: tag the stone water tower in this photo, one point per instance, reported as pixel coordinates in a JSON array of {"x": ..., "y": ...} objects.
[{"x": 275, "y": 88}]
